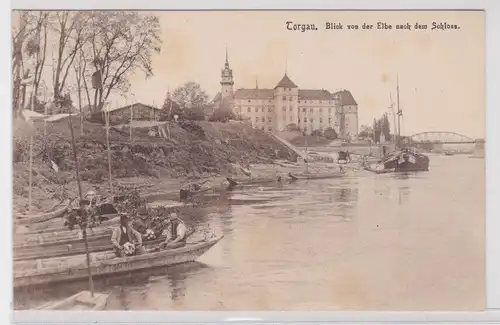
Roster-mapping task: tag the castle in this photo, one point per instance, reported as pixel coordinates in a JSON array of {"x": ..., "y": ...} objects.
[{"x": 276, "y": 109}]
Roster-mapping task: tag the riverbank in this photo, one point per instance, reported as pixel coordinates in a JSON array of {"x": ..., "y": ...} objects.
[{"x": 195, "y": 151}]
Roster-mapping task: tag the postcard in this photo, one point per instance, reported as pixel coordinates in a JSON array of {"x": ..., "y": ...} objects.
[{"x": 248, "y": 160}]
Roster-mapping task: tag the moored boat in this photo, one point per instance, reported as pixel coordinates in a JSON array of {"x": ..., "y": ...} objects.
[
  {"x": 404, "y": 160},
  {"x": 83, "y": 300},
  {"x": 311, "y": 176},
  {"x": 252, "y": 181},
  {"x": 58, "y": 212},
  {"x": 75, "y": 246},
  {"x": 46, "y": 271},
  {"x": 56, "y": 233}
]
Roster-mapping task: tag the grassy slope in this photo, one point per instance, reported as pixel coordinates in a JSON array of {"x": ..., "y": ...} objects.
[{"x": 201, "y": 148}]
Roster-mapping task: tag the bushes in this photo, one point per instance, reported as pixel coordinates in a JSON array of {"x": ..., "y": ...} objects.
[
  {"x": 317, "y": 133},
  {"x": 292, "y": 127},
  {"x": 330, "y": 134},
  {"x": 222, "y": 115}
]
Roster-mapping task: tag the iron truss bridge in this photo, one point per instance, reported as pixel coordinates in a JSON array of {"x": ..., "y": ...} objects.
[{"x": 441, "y": 137}]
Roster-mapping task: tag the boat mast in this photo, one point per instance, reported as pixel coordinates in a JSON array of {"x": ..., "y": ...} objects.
[
  {"x": 83, "y": 224},
  {"x": 399, "y": 110}
]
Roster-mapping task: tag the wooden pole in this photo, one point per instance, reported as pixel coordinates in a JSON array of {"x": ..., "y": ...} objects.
[
  {"x": 106, "y": 114},
  {"x": 131, "y": 120},
  {"x": 30, "y": 199},
  {"x": 84, "y": 224},
  {"x": 399, "y": 111}
]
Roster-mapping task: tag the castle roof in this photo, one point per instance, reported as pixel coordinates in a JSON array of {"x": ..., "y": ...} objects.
[
  {"x": 315, "y": 94},
  {"x": 345, "y": 97},
  {"x": 255, "y": 93},
  {"x": 286, "y": 82}
]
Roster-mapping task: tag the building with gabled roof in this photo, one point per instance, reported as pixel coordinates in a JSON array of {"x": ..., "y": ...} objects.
[{"x": 286, "y": 104}]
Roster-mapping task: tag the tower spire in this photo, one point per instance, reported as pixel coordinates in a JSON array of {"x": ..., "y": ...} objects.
[{"x": 227, "y": 59}]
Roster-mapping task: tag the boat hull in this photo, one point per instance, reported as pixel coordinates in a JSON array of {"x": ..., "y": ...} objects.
[
  {"x": 295, "y": 177},
  {"x": 235, "y": 182},
  {"x": 32, "y": 219},
  {"x": 97, "y": 243},
  {"x": 108, "y": 266}
]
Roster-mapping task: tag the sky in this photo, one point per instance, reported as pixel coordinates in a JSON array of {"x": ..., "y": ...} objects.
[{"x": 441, "y": 72}]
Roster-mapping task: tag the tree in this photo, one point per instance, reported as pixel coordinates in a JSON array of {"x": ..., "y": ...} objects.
[
  {"x": 120, "y": 43},
  {"x": 25, "y": 47},
  {"x": 330, "y": 133},
  {"x": 72, "y": 30},
  {"x": 190, "y": 95},
  {"x": 376, "y": 131},
  {"x": 169, "y": 110},
  {"x": 385, "y": 127},
  {"x": 366, "y": 132}
]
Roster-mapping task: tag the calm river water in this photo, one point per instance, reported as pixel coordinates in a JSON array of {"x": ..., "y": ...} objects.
[{"x": 376, "y": 242}]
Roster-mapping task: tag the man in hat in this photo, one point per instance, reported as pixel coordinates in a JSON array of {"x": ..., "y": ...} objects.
[
  {"x": 176, "y": 233},
  {"x": 126, "y": 234}
]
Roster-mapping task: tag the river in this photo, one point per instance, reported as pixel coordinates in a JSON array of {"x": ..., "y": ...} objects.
[{"x": 365, "y": 242}]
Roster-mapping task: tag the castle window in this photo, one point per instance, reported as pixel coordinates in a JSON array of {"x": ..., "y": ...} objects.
[
  {"x": 320, "y": 120},
  {"x": 290, "y": 98},
  {"x": 303, "y": 109},
  {"x": 284, "y": 97},
  {"x": 269, "y": 119},
  {"x": 269, "y": 109},
  {"x": 263, "y": 119},
  {"x": 270, "y": 128},
  {"x": 305, "y": 119},
  {"x": 256, "y": 120},
  {"x": 256, "y": 109},
  {"x": 298, "y": 120},
  {"x": 290, "y": 109},
  {"x": 299, "y": 101},
  {"x": 269, "y": 100},
  {"x": 312, "y": 120},
  {"x": 320, "y": 110},
  {"x": 249, "y": 101},
  {"x": 311, "y": 110}
]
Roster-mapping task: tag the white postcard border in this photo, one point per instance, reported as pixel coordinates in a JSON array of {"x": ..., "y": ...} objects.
[{"x": 492, "y": 8}]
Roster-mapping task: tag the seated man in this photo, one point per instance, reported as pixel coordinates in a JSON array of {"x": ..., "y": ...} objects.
[
  {"x": 126, "y": 234},
  {"x": 176, "y": 233}
]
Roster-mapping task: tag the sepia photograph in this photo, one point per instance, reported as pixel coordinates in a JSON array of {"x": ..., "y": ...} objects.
[{"x": 248, "y": 160}]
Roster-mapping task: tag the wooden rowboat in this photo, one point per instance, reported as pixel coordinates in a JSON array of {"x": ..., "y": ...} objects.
[
  {"x": 80, "y": 301},
  {"x": 304, "y": 176},
  {"x": 47, "y": 271},
  {"x": 96, "y": 243},
  {"x": 379, "y": 171},
  {"x": 249, "y": 181},
  {"x": 58, "y": 233},
  {"x": 58, "y": 212}
]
